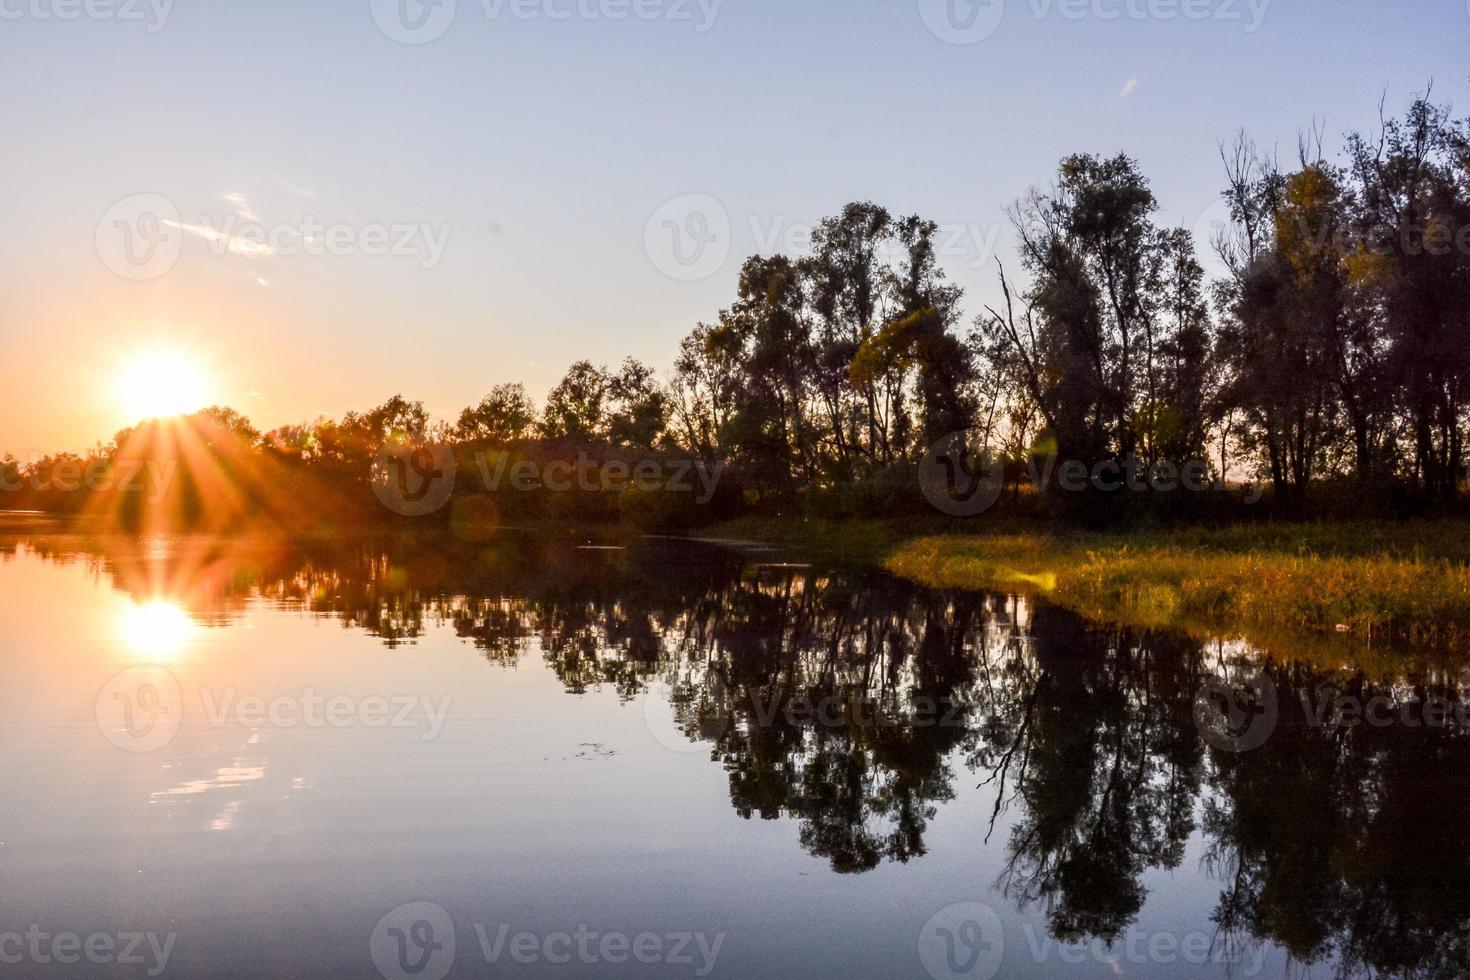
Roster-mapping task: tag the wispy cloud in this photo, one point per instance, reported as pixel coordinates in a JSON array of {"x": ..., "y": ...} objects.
[
  {"x": 227, "y": 242},
  {"x": 1128, "y": 88},
  {"x": 294, "y": 188},
  {"x": 242, "y": 206}
]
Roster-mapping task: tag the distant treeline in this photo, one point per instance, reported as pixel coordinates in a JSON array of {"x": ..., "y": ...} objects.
[{"x": 1332, "y": 360}]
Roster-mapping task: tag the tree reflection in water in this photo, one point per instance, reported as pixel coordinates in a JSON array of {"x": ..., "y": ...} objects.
[{"x": 855, "y": 704}]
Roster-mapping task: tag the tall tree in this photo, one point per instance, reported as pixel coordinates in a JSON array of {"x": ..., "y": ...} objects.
[
  {"x": 504, "y": 416},
  {"x": 577, "y": 406}
]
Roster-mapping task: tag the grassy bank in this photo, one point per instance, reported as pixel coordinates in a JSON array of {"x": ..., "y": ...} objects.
[{"x": 1371, "y": 581}]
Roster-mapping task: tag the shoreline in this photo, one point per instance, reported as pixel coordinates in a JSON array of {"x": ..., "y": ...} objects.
[{"x": 1347, "y": 586}]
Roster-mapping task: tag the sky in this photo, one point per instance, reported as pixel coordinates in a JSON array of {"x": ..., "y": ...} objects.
[{"x": 323, "y": 204}]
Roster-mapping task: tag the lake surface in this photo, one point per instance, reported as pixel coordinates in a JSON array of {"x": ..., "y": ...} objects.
[{"x": 513, "y": 758}]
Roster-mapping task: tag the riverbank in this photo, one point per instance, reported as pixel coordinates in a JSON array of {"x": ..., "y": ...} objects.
[{"x": 1375, "y": 582}]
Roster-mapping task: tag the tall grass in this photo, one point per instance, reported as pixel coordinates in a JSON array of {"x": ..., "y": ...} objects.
[{"x": 1370, "y": 581}]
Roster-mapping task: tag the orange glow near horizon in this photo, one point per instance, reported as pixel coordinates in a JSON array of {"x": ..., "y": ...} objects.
[{"x": 161, "y": 383}]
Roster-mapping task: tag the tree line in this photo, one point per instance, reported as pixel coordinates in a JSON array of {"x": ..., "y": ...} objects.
[
  {"x": 1331, "y": 359},
  {"x": 1335, "y": 349}
]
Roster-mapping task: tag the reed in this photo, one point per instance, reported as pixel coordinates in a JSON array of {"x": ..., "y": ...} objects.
[{"x": 1389, "y": 582}]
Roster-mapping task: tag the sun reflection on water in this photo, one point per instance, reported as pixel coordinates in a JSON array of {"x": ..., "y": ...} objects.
[{"x": 157, "y": 629}]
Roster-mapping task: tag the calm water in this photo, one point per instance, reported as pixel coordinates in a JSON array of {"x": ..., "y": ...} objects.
[{"x": 247, "y": 759}]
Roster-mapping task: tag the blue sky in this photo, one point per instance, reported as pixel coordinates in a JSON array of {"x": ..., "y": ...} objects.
[{"x": 541, "y": 147}]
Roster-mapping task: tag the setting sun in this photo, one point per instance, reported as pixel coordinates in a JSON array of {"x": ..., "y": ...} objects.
[{"x": 160, "y": 384}]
